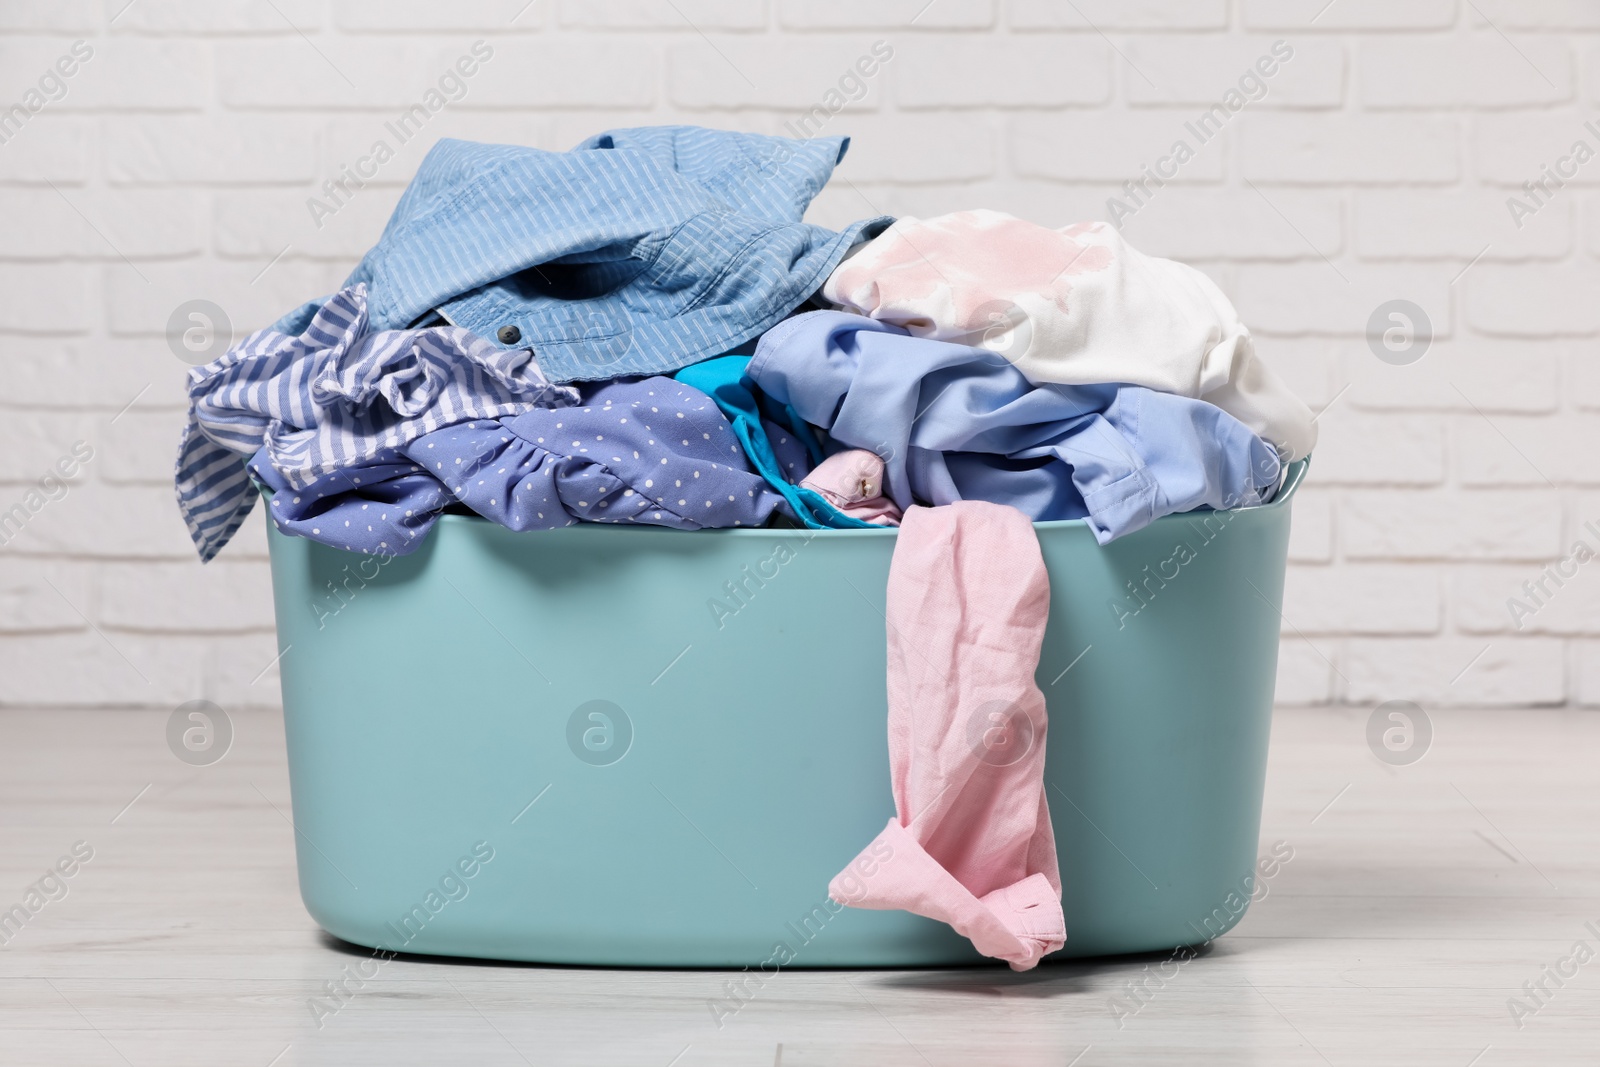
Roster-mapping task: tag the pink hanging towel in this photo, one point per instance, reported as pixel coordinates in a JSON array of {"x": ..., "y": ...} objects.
[{"x": 971, "y": 843}]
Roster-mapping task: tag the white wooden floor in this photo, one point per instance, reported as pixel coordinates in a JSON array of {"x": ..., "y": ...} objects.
[{"x": 1418, "y": 901}]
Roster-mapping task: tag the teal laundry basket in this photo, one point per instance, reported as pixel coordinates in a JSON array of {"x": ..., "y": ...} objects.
[{"x": 637, "y": 746}]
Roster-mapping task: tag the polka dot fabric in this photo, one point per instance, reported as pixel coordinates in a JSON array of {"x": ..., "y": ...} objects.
[{"x": 653, "y": 451}]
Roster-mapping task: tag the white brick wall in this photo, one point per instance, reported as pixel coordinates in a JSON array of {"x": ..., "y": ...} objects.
[{"x": 1377, "y": 165}]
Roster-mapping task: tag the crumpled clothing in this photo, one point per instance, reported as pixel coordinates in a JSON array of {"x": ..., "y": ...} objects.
[
  {"x": 384, "y": 507},
  {"x": 777, "y": 442},
  {"x": 654, "y": 452},
  {"x": 333, "y": 397},
  {"x": 971, "y": 842},
  {"x": 958, "y": 423},
  {"x": 852, "y": 481},
  {"x": 1076, "y": 306},
  {"x": 638, "y": 252}
]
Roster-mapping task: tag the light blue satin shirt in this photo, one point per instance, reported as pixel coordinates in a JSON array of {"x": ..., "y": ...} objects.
[{"x": 958, "y": 423}]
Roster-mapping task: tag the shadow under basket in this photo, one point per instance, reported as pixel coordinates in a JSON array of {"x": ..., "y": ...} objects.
[{"x": 626, "y": 745}]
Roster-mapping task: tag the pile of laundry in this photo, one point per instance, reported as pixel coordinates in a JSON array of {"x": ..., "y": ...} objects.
[{"x": 643, "y": 330}]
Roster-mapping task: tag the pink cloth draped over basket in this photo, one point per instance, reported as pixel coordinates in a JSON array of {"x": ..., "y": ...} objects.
[{"x": 971, "y": 843}]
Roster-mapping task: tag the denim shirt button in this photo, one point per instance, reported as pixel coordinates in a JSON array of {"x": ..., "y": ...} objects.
[{"x": 509, "y": 335}]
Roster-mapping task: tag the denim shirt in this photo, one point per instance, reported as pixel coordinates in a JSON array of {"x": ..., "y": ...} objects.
[{"x": 639, "y": 252}]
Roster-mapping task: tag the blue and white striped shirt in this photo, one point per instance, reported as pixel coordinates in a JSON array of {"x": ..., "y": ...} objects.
[{"x": 334, "y": 397}]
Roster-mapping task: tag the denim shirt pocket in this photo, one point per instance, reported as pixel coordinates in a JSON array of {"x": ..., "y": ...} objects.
[
  {"x": 679, "y": 271},
  {"x": 684, "y": 264}
]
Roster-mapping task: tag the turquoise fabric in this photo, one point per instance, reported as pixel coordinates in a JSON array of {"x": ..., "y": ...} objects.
[{"x": 725, "y": 381}]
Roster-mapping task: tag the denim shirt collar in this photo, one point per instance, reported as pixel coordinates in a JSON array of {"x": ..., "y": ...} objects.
[{"x": 638, "y": 252}]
